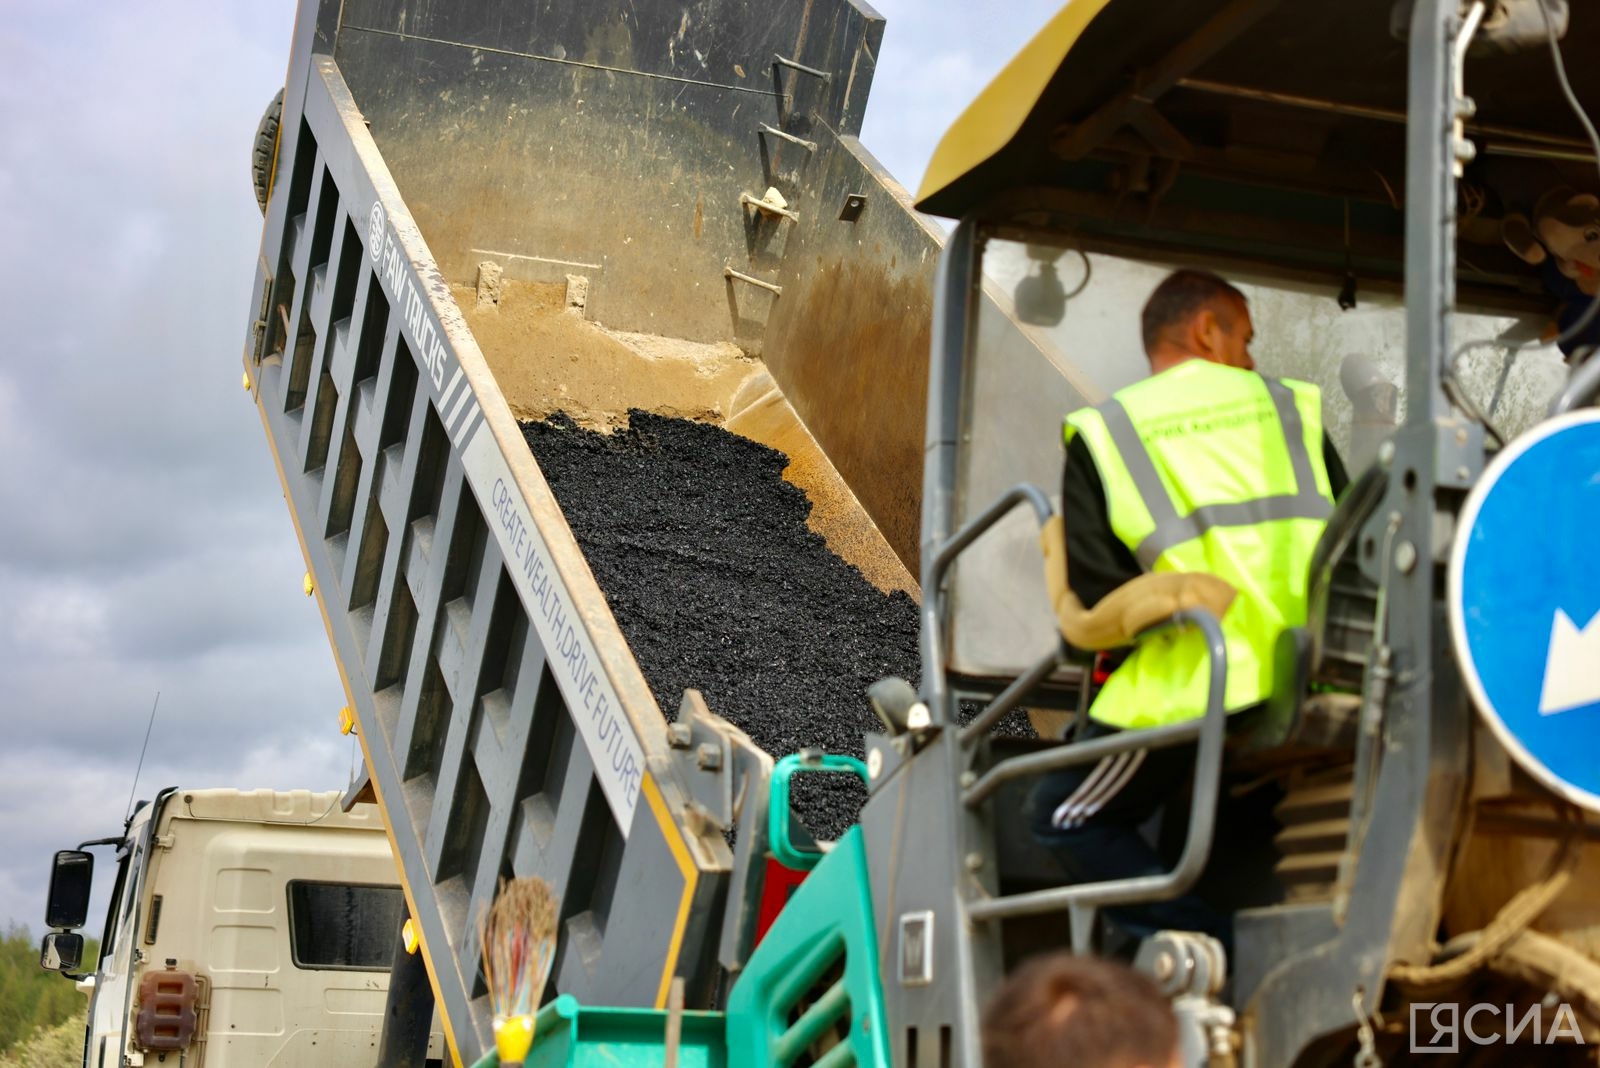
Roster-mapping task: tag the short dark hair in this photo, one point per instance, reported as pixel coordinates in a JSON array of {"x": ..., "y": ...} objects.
[
  {"x": 1061, "y": 1009},
  {"x": 1180, "y": 296}
]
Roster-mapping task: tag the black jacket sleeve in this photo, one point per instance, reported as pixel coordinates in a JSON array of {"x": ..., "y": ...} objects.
[
  {"x": 1097, "y": 561},
  {"x": 1338, "y": 477}
]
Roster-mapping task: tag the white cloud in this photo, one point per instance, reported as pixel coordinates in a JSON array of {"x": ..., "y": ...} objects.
[
  {"x": 10, "y": 414},
  {"x": 935, "y": 59},
  {"x": 143, "y": 541},
  {"x": 57, "y": 620}
]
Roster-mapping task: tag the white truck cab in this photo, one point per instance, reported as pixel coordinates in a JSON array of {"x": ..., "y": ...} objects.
[{"x": 245, "y": 928}]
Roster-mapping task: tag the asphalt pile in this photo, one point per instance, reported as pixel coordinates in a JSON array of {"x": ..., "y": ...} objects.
[{"x": 703, "y": 552}]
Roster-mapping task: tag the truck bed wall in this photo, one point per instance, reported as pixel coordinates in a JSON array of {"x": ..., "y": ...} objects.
[
  {"x": 848, "y": 340},
  {"x": 608, "y": 139}
]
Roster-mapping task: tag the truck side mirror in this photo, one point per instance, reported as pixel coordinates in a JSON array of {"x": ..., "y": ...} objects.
[
  {"x": 70, "y": 878},
  {"x": 61, "y": 951}
]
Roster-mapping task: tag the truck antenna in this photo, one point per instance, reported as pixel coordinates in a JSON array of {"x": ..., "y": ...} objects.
[{"x": 142, "y": 749}]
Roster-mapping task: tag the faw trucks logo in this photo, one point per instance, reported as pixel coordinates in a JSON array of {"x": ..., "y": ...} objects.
[
  {"x": 377, "y": 226},
  {"x": 390, "y": 261}
]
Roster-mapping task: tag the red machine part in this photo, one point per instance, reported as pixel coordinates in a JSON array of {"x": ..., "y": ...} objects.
[{"x": 776, "y": 888}]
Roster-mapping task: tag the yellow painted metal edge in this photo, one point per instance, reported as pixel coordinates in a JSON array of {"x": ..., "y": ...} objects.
[
  {"x": 361, "y": 736},
  {"x": 272, "y": 175},
  {"x": 995, "y": 116},
  {"x": 691, "y": 877}
]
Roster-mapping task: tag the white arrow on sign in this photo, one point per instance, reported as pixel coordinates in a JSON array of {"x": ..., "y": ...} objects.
[{"x": 1572, "y": 669}]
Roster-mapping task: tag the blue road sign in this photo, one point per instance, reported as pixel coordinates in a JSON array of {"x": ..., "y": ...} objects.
[{"x": 1525, "y": 602}]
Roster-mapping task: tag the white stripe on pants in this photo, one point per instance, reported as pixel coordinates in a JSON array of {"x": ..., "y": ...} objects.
[
  {"x": 1074, "y": 813},
  {"x": 1103, "y": 772}
]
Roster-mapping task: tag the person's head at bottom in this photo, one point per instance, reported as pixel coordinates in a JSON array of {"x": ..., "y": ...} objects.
[{"x": 1061, "y": 1010}]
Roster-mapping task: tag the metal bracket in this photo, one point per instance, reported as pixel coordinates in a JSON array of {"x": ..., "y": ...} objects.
[
  {"x": 359, "y": 790},
  {"x": 263, "y": 314},
  {"x": 1464, "y": 150},
  {"x": 1458, "y": 453},
  {"x": 1152, "y": 83},
  {"x": 1183, "y": 962},
  {"x": 760, "y": 283},
  {"x": 766, "y": 206},
  {"x": 886, "y": 756},
  {"x": 724, "y": 778},
  {"x": 782, "y": 61},
  {"x": 809, "y": 146}
]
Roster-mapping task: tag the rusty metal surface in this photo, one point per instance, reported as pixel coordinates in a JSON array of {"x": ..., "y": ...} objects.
[
  {"x": 611, "y": 140},
  {"x": 848, "y": 341}
]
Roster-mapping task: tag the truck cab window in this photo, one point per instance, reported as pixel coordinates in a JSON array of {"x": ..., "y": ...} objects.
[
  {"x": 343, "y": 926},
  {"x": 121, "y": 893}
]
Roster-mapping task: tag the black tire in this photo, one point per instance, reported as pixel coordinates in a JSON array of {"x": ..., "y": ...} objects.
[{"x": 264, "y": 156}]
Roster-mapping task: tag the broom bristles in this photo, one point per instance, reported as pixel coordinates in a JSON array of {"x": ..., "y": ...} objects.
[{"x": 518, "y": 938}]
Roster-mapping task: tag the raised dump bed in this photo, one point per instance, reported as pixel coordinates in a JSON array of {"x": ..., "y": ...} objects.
[
  {"x": 549, "y": 359},
  {"x": 733, "y": 557},
  {"x": 676, "y": 218}
]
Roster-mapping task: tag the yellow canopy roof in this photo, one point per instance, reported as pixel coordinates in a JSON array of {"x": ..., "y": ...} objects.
[
  {"x": 995, "y": 117},
  {"x": 1264, "y": 131}
]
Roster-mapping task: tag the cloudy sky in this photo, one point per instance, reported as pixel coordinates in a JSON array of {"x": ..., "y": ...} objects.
[{"x": 144, "y": 543}]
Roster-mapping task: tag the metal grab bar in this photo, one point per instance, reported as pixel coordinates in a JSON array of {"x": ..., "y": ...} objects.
[
  {"x": 1209, "y": 730},
  {"x": 933, "y": 594},
  {"x": 1581, "y": 388},
  {"x": 1355, "y": 507},
  {"x": 1069, "y": 755},
  {"x": 779, "y": 840},
  {"x": 1010, "y": 698},
  {"x": 958, "y": 542},
  {"x": 784, "y": 61}
]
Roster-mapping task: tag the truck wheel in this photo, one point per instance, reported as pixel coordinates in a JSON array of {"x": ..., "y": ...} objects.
[{"x": 264, "y": 156}]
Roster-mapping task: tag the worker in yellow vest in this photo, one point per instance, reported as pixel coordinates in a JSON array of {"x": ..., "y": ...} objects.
[{"x": 1204, "y": 466}]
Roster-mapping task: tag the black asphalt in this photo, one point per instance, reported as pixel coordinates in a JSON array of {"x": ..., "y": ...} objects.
[{"x": 703, "y": 552}]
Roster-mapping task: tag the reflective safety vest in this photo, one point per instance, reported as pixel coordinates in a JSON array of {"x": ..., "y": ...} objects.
[{"x": 1210, "y": 468}]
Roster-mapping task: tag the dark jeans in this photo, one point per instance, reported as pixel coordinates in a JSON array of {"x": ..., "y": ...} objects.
[{"x": 1090, "y": 817}]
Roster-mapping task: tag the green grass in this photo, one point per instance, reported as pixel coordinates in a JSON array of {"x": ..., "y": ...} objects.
[
  {"x": 36, "y": 1004},
  {"x": 60, "y": 1046}
]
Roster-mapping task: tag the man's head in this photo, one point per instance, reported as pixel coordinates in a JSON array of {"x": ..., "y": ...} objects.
[
  {"x": 1196, "y": 315},
  {"x": 1060, "y": 1009}
]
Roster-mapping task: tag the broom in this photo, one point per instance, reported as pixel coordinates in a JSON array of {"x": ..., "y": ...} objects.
[{"x": 518, "y": 939}]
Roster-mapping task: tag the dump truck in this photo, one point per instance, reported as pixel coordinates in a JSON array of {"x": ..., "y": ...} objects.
[
  {"x": 477, "y": 214},
  {"x": 243, "y": 928},
  {"x": 690, "y": 177}
]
